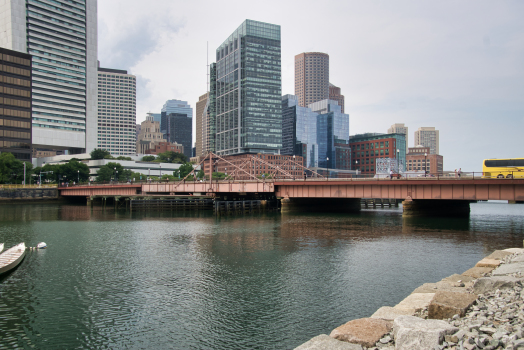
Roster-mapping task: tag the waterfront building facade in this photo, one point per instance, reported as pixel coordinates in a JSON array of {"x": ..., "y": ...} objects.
[
  {"x": 116, "y": 112},
  {"x": 419, "y": 158},
  {"x": 318, "y": 133},
  {"x": 336, "y": 95},
  {"x": 15, "y": 103},
  {"x": 311, "y": 77},
  {"x": 247, "y": 93},
  {"x": 201, "y": 124},
  {"x": 61, "y": 37},
  {"x": 428, "y": 137},
  {"x": 149, "y": 135},
  {"x": 399, "y": 128},
  {"x": 367, "y": 148}
]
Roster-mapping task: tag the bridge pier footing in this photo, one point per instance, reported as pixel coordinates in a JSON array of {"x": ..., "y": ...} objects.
[
  {"x": 334, "y": 205},
  {"x": 435, "y": 207}
]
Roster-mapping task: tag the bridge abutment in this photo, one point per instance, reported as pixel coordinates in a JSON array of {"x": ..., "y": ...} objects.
[
  {"x": 435, "y": 207},
  {"x": 333, "y": 205}
]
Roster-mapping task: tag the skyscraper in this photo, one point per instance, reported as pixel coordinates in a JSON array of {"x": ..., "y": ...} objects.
[
  {"x": 399, "y": 128},
  {"x": 248, "y": 90},
  {"x": 116, "y": 112},
  {"x": 311, "y": 77},
  {"x": 179, "y": 129},
  {"x": 62, "y": 38},
  {"x": 428, "y": 137},
  {"x": 174, "y": 106},
  {"x": 201, "y": 123}
]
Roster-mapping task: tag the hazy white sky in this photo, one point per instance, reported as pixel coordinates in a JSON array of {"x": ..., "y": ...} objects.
[{"x": 454, "y": 65}]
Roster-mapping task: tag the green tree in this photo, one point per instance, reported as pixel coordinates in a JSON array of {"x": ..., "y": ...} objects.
[
  {"x": 12, "y": 169},
  {"x": 100, "y": 154},
  {"x": 184, "y": 169},
  {"x": 148, "y": 158},
  {"x": 172, "y": 157},
  {"x": 124, "y": 158},
  {"x": 73, "y": 171},
  {"x": 218, "y": 176},
  {"x": 111, "y": 170}
]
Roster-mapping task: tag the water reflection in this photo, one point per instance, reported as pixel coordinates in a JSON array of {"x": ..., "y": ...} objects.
[{"x": 114, "y": 279}]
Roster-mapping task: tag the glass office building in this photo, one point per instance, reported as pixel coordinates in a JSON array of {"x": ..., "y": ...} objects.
[
  {"x": 248, "y": 91},
  {"x": 319, "y": 133}
]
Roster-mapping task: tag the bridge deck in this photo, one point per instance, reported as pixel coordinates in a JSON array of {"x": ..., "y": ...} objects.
[{"x": 459, "y": 189}]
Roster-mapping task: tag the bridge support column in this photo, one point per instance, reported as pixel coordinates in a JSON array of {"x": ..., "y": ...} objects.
[
  {"x": 435, "y": 207},
  {"x": 333, "y": 205}
]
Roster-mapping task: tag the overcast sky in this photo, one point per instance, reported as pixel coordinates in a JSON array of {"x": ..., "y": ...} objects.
[{"x": 454, "y": 65}]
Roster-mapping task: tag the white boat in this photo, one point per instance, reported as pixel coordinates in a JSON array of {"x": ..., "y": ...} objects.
[
  {"x": 12, "y": 257},
  {"x": 1, "y": 247}
]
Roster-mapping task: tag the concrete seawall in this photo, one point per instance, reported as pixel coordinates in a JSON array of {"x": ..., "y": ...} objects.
[
  {"x": 28, "y": 194},
  {"x": 482, "y": 308}
]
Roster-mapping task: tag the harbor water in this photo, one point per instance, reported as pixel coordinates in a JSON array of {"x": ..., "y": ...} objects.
[{"x": 119, "y": 280}]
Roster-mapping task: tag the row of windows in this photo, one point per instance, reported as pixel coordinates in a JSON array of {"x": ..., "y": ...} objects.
[
  {"x": 15, "y": 113},
  {"x": 15, "y": 81},
  {"x": 16, "y": 92},
  {"x": 11, "y": 144},
  {"x": 15, "y": 123},
  {"x": 15, "y": 134},
  {"x": 370, "y": 145},
  {"x": 14, "y": 59},
  {"x": 15, "y": 70},
  {"x": 57, "y": 127},
  {"x": 15, "y": 102}
]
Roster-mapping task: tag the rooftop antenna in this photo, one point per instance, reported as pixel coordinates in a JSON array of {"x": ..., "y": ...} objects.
[{"x": 207, "y": 66}]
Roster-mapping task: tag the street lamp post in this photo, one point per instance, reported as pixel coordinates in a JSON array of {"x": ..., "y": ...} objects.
[
  {"x": 294, "y": 167},
  {"x": 327, "y": 166},
  {"x": 398, "y": 161},
  {"x": 114, "y": 169},
  {"x": 160, "y": 165},
  {"x": 425, "y": 164},
  {"x": 78, "y": 177}
]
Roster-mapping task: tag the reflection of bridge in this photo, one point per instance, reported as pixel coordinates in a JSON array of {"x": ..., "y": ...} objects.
[{"x": 450, "y": 196}]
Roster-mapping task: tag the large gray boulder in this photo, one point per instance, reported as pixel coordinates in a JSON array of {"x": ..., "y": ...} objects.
[
  {"x": 498, "y": 254},
  {"x": 508, "y": 269},
  {"x": 324, "y": 342},
  {"x": 389, "y": 313},
  {"x": 413, "y": 333},
  {"x": 491, "y": 284},
  {"x": 477, "y": 272}
]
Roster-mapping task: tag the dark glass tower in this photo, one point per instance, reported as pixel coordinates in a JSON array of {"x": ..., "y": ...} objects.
[{"x": 248, "y": 91}]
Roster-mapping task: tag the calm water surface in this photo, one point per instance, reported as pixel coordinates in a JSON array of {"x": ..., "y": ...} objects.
[{"x": 114, "y": 280}]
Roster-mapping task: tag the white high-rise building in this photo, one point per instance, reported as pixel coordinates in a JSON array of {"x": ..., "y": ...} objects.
[
  {"x": 116, "y": 112},
  {"x": 399, "y": 128},
  {"x": 61, "y": 35},
  {"x": 427, "y": 137}
]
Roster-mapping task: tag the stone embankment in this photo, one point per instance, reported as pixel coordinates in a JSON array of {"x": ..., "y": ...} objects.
[{"x": 483, "y": 308}]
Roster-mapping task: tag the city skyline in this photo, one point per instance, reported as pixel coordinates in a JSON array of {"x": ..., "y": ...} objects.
[{"x": 454, "y": 67}]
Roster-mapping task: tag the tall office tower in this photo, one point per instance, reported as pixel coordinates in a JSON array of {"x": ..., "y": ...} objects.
[
  {"x": 15, "y": 103},
  {"x": 335, "y": 95},
  {"x": 248, "y": 90},
  {"x": 427, "y": 137},
  {"x": 61, "y": 36},
  {"x": 116, "y": 112},
  {"x": 149, "y": 136},
  {"x": 174, "y": 106},
  {"x": 179, "y": 129},
  {"x": 399, "y": 128},
  {"x": 201, "y": 123},
  {"x": 209, "y": 144},
  {"x": 311, "y": 77}
]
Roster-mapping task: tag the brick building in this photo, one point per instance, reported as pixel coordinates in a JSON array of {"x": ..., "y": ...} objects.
[
  {"x": 420, "y": 159},
  {"x": 161, "y": 147},
  {"x": 367, "y": 148}
]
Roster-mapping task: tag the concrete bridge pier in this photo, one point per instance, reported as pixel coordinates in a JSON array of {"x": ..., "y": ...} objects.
[
  {"x": 435, "y": 207},
  {"x": 332, "y": 205}
]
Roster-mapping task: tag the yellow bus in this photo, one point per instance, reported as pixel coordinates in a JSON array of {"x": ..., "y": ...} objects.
[{"x": 503, "y": 168}]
